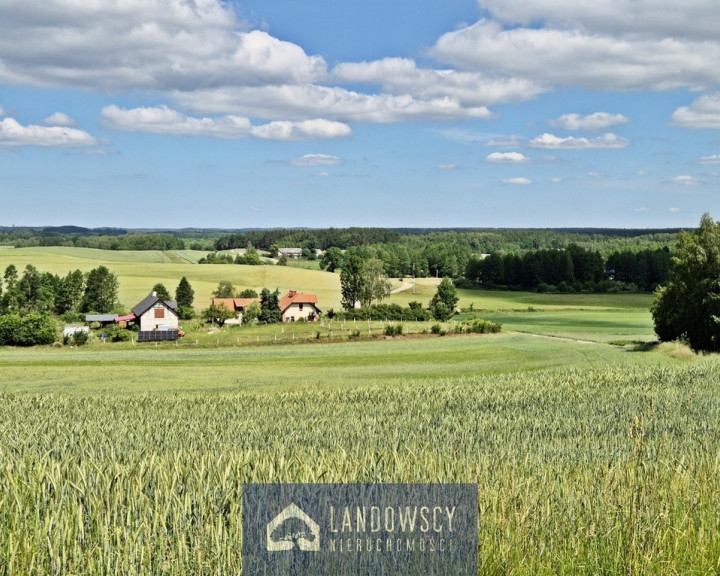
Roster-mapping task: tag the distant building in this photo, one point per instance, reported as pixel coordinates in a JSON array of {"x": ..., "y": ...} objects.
[
  {"x": 295, "y": 253},
  {"x": 236, "y": 305},
  {"x": 295, "y": 306}
]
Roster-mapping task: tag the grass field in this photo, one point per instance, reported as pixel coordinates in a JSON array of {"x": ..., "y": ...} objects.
[
  {"x": 590, "y": 458},
  {"x": 138, "y": 272}
]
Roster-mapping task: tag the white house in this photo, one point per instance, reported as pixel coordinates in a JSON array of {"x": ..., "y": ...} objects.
[
  {"x": 155, "y": 314},
  {"x": 295, "y": 306}
]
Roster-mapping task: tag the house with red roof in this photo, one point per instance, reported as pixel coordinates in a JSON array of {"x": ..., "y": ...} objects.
[
  {"x": 235, "y": 305},
  {"x": 296, "y": 306}
]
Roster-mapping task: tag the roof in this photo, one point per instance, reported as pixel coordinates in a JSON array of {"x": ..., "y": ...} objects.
[
  {"x": 294, "y": 297},
  {"x": 149, "y": 302},
  {"x": 126, "y": 318},
  {"x": 100, "y": 317},
  {"x": 233, "y": 304}
]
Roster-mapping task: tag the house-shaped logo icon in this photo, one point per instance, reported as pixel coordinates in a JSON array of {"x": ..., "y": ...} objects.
[{"x": 292, "y": 527}]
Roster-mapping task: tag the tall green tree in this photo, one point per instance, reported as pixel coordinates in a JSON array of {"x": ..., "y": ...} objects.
[
  {"x": 161, "y": 292},
  {"x": 184, "y": 294},
  {"x": 352, "y": 280},
  {"x": 101, "y": 291},
  {"x": 270, "y": 306},
  {"x": 225, "y": 289},
  {"x": 331, "y": 259},
  {"x": 376, "y": 286},
  {"x": 689, "y": 305},
  {"x": 70, "y": 292},
  {"x": 10, "y": 276},
  {"x": 445, "y": 299}
]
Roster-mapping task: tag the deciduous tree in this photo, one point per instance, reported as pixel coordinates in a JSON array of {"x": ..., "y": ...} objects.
[
  {"x": 689, "y": 305},
  {"x": 101, "y": 291}
]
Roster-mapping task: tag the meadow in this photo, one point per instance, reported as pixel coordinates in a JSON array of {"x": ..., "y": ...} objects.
[{"x": 590, "y": 457}]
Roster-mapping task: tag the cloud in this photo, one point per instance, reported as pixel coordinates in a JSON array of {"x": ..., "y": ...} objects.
[
  {"x": 703, "y": 113},
  {"x": 579, "y": 52},
  {"x": 317, "y": 160},
  {"x": 674, "y": 210},
  {"x": 12, "y": 133},
  {"x": 164, "y": 120},
  {"x": 59, "y": 119},
  {"x": 2, "y": 112},
  {"x": 642, "y": 209},
  {"x": 659, "y": 18},
  {"x": 597, "y": 121},
  {"x": 402, "y": 76},
  {"x": 518, "y": 181},
  {"x": 686, "y": 180},
  {"x": 551, "y": 142},
  {"x": 507, "y": 158},
  {"x": 199, "y": 54},
  {"x": 335, "y": 103},
  {"x": 143, "y": 44},
  {"x": 317, "y": 129},
  {"x": 710, "y": 160}
]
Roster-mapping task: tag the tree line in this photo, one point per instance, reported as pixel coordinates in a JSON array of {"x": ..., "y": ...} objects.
[
  {"x": 573, "y": 269},
  {"x": 475, "y": 240}
]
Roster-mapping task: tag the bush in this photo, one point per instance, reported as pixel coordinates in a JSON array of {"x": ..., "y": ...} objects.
[
  {"x": 117, "y": 334},
  {"x": 78, "y": 338},
  {"x": 437, "y": 329},
  {"x": 34, "y": 329},
  {"x": 479, "y": 326},
  {"x": 396, "y": 330}
]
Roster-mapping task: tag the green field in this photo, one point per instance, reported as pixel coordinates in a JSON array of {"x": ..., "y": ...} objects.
[{"x": 590, "y": 457}]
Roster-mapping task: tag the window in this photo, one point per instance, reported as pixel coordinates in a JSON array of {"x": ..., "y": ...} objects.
[
  {"x": 159, "y": 312},
  {"x": 300, "y": 305}
]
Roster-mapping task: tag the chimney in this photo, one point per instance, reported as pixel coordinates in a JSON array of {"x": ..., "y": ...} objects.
[{"x": 292, "y": 293}]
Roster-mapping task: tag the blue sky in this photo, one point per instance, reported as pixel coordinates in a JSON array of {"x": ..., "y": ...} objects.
[{"x": 467, "y": 113}]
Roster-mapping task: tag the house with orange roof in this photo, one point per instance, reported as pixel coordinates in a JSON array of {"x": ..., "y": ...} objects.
[
  {"x": 235, "y": 305},
  {"x": 296, "y": 306}
]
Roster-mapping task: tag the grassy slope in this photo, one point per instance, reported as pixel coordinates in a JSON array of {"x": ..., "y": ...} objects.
[
  {"x": 138, "y": 272},
  {"x": 297, "y": 367},
  {"x": 590, "y": 458}
]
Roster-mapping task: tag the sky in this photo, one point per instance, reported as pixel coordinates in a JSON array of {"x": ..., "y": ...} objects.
[{"x": 390, "y": 113}]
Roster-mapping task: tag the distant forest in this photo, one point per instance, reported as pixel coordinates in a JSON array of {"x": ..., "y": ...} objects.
[{"x": 566, "y": 259}]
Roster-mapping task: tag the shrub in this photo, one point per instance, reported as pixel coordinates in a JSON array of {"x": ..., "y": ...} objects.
[
  {"x": 34, "y": 329},
  {"x": 396, "y": 330},
  {"x": 479, "y": 326},
  {"x": 437, "y": 329}
]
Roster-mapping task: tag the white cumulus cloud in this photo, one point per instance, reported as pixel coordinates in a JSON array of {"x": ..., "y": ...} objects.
[
  {"x": 164, "y": 120},
  {"x": 507, "y": 158},
  {"x": 317, "y": 129},
  {"x": 551, "y": 142},
  {"x": 12, "y": 133},
  {"x": 703, "y": 113},
  {"x": 577, "y": 52},
  {"x": 710, "y": 160},
  {"x": 317, "y": 160},
  {"x": 59, "y": 119},
  {"x": 686, "y": 180},
  {"x": 596, "y": 121},
  {"x": 518, "y": 181}
]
